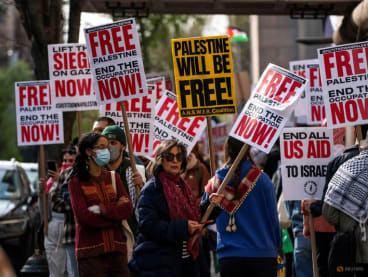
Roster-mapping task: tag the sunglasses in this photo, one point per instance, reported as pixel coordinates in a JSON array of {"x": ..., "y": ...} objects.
[{"x": 170, "y": 157}]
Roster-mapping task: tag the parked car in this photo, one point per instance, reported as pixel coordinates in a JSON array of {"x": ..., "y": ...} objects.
[
  {"x": 18, "y": 212},
  {"x": 31, "y": 169}
]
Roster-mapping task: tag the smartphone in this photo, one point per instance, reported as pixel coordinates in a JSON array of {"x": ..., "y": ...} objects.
[{"x": 51, "y": 165}]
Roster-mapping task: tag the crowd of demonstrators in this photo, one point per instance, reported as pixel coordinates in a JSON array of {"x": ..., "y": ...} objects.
[
  {"x": 247, "y": 223},
  {"x": 164, "y": 213},
  {"x": 58, "y": 262},
  {"x": 99, "y": 208},
  {"x": 168, "y": 219}
]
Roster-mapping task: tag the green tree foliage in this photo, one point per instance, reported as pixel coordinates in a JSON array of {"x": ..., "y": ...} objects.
[
  {"x": 156, "y": 32},
  {"x": 8, "y": 139}
]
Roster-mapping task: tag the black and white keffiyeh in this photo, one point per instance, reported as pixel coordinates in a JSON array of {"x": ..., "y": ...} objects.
[{"x": 348, "y": 188}]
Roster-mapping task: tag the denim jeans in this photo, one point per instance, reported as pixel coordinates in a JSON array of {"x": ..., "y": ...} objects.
[
  {"x": 71, "y": 260},
  {"x": 302, "y": 256}
]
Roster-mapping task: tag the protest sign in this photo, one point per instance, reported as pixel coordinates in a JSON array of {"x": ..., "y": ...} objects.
[
  {"x": 305, "y": 153},
  {"x": 220, "y": 132},
  {"x": 299, "y": 68},
  {"x": 140, "y": 113},
  {"x": 116, "y": 61},
  {"x": 316, "y": 111},
  {"x": 37, "y": 122},
  {"x": 160, "y": 85},
  {"x": 344, "y": 72},
  {"x": 70, "y": 78},
  {"x": 267, "y": 111},
  {"x": 168, "y": 124},
  {"x": 203, "y": 70}
]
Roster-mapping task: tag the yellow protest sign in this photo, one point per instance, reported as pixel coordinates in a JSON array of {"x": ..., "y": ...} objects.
[{"x": 203, "y": 70}]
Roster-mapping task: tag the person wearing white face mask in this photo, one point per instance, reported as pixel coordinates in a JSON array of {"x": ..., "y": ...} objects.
[
  {"x": 99, "y": 204},
  {"x": 132, "y": 182}
]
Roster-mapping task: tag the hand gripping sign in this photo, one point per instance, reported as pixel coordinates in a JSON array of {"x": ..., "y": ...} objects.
[
  {"x": 70, "y": 78},
  {"x": 116, "y": 61},
  {"x": 344, "y": 72},
  {"x": 266, "y": 112},
  {"x": 305, "y": 153},
  {"x": 37, "y": 122},
  {"x": 204, "y": 76},
  {"x": 168, "y": 124},
  {"x": 140, "y": 114}
]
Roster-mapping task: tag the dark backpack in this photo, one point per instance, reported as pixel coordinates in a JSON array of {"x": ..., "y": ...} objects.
[{"x": 342, "y": 253}]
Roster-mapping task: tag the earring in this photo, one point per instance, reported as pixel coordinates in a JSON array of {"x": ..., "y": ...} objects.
[{"x": 87, "y": 166}]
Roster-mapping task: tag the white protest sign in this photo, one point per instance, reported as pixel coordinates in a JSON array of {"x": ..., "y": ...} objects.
[
  {"x": 305, "y": 153},
  {"x": 344, "y": 75},
  {"x": 70, "y": 78},
  {"x": 168, "y": 124},
  {"x": 37, "y": 122},
  {"x": 140, "y": 113},
  {"x": 314, "y": 94},
  {"x": 116, "y": 61},
  {"x": 267, "y": 110},
  {"x": 220, "y": 132},
  {"x": 160, "y": 84},
  {"x": 298, "y": 68}
]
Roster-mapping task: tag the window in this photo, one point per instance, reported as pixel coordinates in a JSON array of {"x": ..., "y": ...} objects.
[{"x": 10, "y": 187}]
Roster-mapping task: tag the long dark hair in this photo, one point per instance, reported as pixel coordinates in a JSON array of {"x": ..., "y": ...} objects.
[
  {"x": 80, "y": 168},
  {"x": 165, "y": 147},
  {"x": 232, "y": 147}
]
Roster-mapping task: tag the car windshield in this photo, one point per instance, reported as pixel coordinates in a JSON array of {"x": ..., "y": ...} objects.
[
  {"x": 9, "y": 184},
  {"x": 33, "y": 178}
]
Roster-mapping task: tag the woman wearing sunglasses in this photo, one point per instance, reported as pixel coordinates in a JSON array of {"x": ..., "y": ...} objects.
[
  {"x": 99, "y": 205},
  {"x": 168, "y": 219}
]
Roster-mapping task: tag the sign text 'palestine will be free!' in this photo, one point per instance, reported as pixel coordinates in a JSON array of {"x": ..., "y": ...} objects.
[{"x": 203, "y": 72}]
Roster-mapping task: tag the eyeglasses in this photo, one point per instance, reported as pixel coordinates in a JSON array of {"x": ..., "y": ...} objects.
[{"x": 170, "y": 156}]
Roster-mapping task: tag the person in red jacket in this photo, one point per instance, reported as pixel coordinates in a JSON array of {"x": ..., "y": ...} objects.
[{"x": 98, "y": 208}]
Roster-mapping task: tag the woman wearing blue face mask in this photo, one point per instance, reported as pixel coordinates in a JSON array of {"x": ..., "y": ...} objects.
[{"x": 99, "y": 204}]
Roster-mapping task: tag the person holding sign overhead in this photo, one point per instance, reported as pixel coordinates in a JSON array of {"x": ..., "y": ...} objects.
[
  {"x": 168, "y": 219},
  {"x": 248, "y": 232},
  {"x": 99, "y": 205}
]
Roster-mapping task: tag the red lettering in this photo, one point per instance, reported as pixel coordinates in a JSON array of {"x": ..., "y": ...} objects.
[
  {"x": 146, "y": 101},
  {"x": 351, "y": 110},
  {"x": 22, "y": 95},
  {"x": 283, "y": 88},
  {"x": 137, "y": 141},
  {"x": 293, "y": 149},
  {"x": 328, "y": 64},
  {"x": 265, "y": 80},
  {"x": 357, "y": 61},
  {"x": 183, "y": 123},
  {"x": 318, "y": 113},
  {"x": 261, "y": 132},
  {"x": 241, "y": 125},
  {"x": 166, "y": 106},
  {"x": 292, "y": 92},
  {"x": 58, "y": 64},
  {"x": 116, "y": 39},
  {"x": 363, "y": 107},
  {"x": 337, "y": 113},
  {"x": 342, "y": 61},
  {"x": 195, "y": 125},
  {"x": 94, "y": 44},
  {"x": 272, "y": 86},
  {"x": 105, "y": 45},
  {"x": 127, "y": 37}
]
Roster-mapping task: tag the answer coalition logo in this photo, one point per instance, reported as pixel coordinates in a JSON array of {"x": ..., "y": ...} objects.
[{"x": 310, "y": 187}]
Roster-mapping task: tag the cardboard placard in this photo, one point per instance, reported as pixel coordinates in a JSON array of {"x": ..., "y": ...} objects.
[
  {"x": 70, "y": 78},
  {"x": 204, "y": 80},
  {"x": 37, "y": 122},
  {"x": 299, "y": 68},
  {"x": 168, "y": 124},
  {"x": 314, "y": 94},
  {"x": 160, "y": 86},
  {"x": 344, "y": 72},
  {"x": 267, "y": 111},
  {"x": 305, "y": 153},
  {"x": 116, "y": 61},
  {"x": 140, "y": 113}
]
